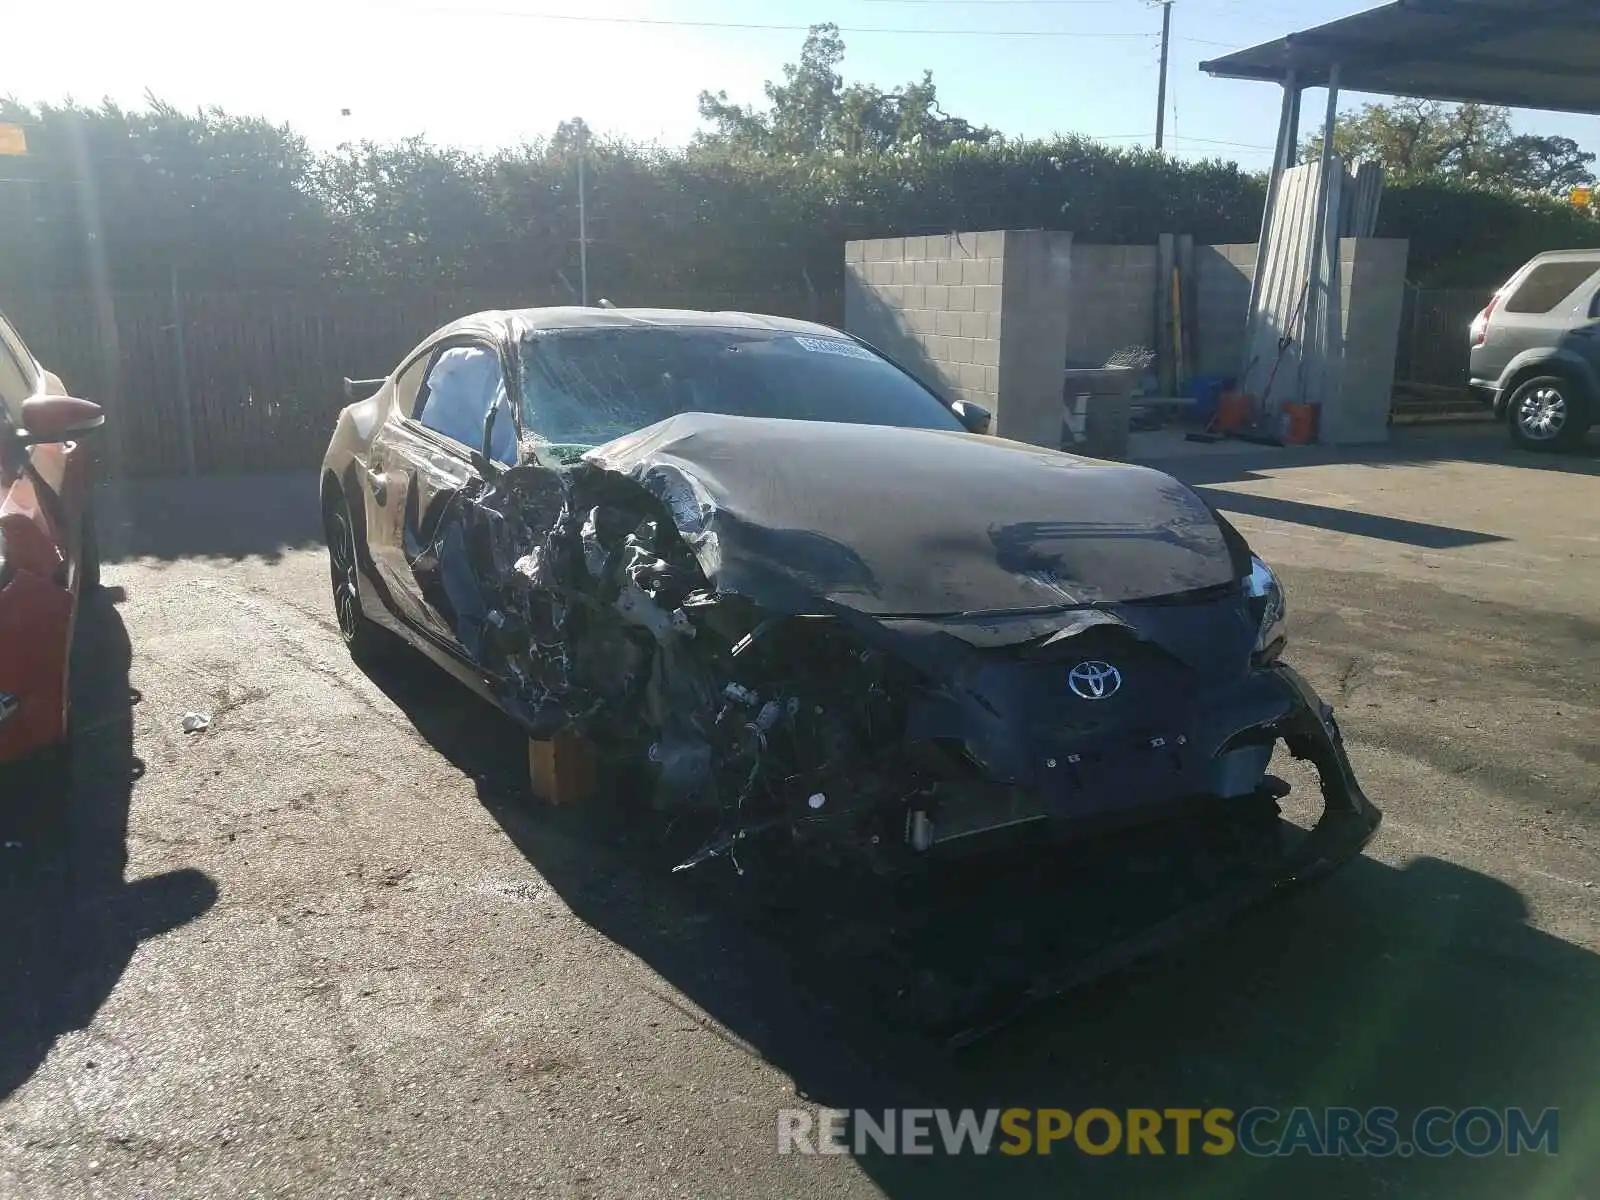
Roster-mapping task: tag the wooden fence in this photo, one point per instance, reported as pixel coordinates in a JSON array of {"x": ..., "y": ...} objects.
[
  {"x": 251, "y": 381},
  {"x": 221, "y": 382},
  {"x": 1435, "y": 324}
]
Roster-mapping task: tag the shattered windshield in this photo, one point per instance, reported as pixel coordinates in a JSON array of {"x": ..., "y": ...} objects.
[{"x": 585, "y": 387}]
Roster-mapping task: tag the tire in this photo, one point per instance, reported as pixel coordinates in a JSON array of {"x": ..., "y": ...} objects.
[
  {"x": 1548, "y": 413},
  {"x": 88, "y": 554},
  {"x": 360, "y": 634}
]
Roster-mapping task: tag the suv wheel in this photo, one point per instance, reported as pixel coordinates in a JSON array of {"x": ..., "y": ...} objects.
[{"x": 1549, "y": 412}]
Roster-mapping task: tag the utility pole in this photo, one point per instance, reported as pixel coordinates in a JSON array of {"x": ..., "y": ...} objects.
[
  {"x": 583, "y": 215},
  {"x": 1161, "y": 90}
]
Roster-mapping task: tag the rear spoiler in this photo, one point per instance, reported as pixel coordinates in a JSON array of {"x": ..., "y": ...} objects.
[{"x": 362, "y": 387}]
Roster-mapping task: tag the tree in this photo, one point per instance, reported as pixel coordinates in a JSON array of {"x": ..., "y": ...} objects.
[
  {"x": 571, "y": 136},
  {"x": 408, "y": 210},
  {"x": 813, "y": 112},
  {"x": 142, "y": 193},
  {"x": 1546, "y": 164},
  {"x": 1423, "y": 140}
]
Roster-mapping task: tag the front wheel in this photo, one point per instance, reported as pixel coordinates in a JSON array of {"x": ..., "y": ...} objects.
[{"x": 1548, "y": 413}]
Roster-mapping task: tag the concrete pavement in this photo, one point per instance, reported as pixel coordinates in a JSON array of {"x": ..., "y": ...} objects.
[{"x": 325, "y": 949}]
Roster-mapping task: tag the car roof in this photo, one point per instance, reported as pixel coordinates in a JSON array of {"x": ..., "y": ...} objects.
[
  {"x": 521, "y": 321},
  {"x": 1588, "y": 254}
]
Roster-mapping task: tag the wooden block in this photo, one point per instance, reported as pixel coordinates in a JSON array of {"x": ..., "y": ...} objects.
[{"x": 561, "y": 770}]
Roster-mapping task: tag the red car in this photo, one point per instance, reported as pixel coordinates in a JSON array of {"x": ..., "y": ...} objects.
[{"x": 48, "y": 555}]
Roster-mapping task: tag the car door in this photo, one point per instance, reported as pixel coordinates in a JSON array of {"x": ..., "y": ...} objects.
[
  {"x": 385, "y": 502},
  {"x": 54, "y": 487},
  {"x": 1584, "y": 339},
  {"x": 424, "y": 456},
  {"x": 41, "y": 493}
]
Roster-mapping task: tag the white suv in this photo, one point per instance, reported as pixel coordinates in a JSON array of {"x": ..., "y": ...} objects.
[{"x": 1536, "y": 350}]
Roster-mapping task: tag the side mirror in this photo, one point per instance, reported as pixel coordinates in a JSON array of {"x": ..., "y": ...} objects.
[
  {"x": 58, "y": 419},
  {"x": 975, "y": 417}
]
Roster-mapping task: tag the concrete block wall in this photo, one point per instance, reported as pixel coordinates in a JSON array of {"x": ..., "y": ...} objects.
[
  {"x": 1037, "y": 311},
  {"x": 1372, "y": 273},
  {"x": 933, "y": 304},
  {"x": 1223, "y": 275},
  {"x": 939, "y": 305},
  {"x": 1113, "y": 301}
]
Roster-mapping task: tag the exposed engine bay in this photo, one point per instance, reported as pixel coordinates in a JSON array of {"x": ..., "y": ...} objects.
[{"x": 763, "y": 721}]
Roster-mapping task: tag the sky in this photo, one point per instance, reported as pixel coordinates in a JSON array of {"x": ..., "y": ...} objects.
[{"x": 488, "y": 73}]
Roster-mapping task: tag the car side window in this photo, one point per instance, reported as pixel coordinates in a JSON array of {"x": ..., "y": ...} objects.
[
  {"x": 461, "y": 385},
  {"x": 408, "y": 383},
  {"x": 1547, "y": 285}
]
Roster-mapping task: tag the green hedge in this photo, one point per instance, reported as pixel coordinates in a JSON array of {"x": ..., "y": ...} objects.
[
  {"x": 127, "y": 198},
  {"x": 1465, "y": 238}
]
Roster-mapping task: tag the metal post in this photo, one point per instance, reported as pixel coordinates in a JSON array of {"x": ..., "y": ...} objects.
[
  {"x": 1294, "y": 129},
  {"x": 1161, "y": 88},
  {"x": 1315, "y": 313},
  {"x": 181, "y": 357},
  {"x": 583, "y": 215},
  {"x": 1282, "y": 155}
]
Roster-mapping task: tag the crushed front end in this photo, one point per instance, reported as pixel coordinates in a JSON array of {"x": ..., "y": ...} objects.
[
  {"x": 943, "y": 717},
  {"x": 780, "y": 724}
]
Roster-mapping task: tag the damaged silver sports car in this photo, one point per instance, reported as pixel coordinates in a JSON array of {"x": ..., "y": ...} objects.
[{"x": 802, "y": 605}]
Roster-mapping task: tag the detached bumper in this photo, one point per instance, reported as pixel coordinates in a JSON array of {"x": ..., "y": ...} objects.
[
  {"x": 1348, "y": 822},
  {"x": 1348, "y": 819}
]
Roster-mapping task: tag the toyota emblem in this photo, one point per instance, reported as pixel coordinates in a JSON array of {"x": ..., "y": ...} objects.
[{"x": 1094, "y": 680}]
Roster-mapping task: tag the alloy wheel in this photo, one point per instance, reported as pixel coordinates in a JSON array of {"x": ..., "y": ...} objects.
[
  {"x": 1542, "y": 414},
  {"x": 342, "y": 564}
]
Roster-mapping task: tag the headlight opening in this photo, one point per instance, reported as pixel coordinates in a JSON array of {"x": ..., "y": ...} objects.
[{"x": 1264, "y": 594}]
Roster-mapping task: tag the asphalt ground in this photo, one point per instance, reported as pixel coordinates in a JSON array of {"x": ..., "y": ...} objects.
[{"x": 327, "y": 948}]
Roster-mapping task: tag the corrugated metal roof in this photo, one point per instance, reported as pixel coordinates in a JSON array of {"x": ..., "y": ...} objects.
[{"x": 1522, "y": 53}]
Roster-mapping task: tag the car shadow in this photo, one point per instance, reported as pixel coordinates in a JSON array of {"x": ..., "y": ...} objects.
[
  {"x": 1391, "y": 987},
  {"x": 71, "y": 922},
  {"x": 1422, "y": 534},
  {"x": 1407, "y": 447}
]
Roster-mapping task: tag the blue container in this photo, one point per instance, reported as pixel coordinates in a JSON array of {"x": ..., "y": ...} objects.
[{"x": 1207, "y": 392}]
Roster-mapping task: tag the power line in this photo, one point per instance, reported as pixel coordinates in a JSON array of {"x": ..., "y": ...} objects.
[
  {"x": 1185, "y": 137},
  {"x": 661, "y": 21},
  {"x": 1176, "y": 137}
]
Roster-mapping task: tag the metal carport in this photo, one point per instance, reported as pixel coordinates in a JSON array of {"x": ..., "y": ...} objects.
[{"x": 1520, "y": 53}]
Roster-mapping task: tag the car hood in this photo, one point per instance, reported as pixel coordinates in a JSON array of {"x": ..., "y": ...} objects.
[{"x": 916, "y": 523}]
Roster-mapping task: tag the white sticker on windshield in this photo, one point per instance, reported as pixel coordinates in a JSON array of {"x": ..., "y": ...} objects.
[{"x": 830, "y": 346}]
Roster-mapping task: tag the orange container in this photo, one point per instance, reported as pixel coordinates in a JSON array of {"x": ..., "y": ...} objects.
[
  {"x": 1299, "y": 423},
  {"x": 1234, "y": 410}
]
